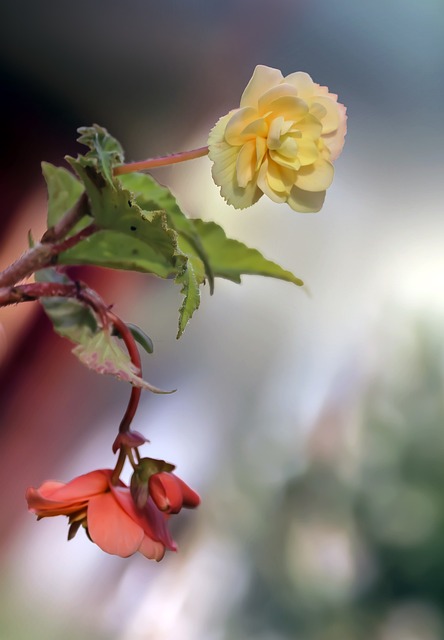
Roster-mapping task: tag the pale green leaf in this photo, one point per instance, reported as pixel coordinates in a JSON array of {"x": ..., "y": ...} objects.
[
  {"x": 130, "y": 238},
  {"x": 190, "y": 291},
  {"x": 96, "y": 348},
  {"x": 105, "y": 151},
  {"x": 150, "y": 196},
  {"x": 64, "y": 190},
  {"x": 101, "y": 353},
  {"x": 70, "y": 318}
]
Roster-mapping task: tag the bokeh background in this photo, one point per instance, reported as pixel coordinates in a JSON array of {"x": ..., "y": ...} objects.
[{"x": 312, "y": 425}]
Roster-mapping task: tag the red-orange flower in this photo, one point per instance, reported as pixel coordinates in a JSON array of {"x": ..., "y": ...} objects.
[
  {"x": 170, "y": 493},
  {"x": 108, "y": 513}
]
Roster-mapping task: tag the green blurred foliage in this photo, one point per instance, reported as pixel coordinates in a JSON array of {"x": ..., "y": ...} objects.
[{"x": 351, "y": 547}]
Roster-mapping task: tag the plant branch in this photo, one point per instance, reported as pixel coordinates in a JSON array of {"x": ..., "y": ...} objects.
[
  {"x": 36, "y": 290},
  {"x": 68, "y": 221},
  {"x": 44, "y": 254}
]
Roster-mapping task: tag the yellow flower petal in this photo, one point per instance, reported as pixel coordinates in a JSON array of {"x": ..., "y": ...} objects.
[
  {"x": 246, "y": 163},
  {"x": 274, "y": 133},
  {"x": 289, "y": 162},
  {"x": 289, "y": 147},
  {"x": 217, "y": 133},
  {"x": 280, "y": 142},
  {"x": 335, "y": 141},
  {"x": 330, "y": 121},
  {"x": 224, "y": 158},
  {"x": 273, "y": 94},
  {"x": 315, "y": 177},
  {"x": 310, "y": 126},
  {"x": 257, "y": 128},
  {"x": 306, "y": 201},
  {"x": 292, "y": 109},
  {"x": 263, "y": 78},
  {"x": 263, "y": 183},
  {"x": 308, "y": 151},
  {"x": 261, "y": 150},
  {"x": 239, "y": 121},
  {"x": 302, "y": 82}
]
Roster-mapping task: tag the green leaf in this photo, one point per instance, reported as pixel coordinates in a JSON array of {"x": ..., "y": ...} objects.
[
  {"x": 95, "y": 348},
  {"x": 142, "y": 226},
  {"x": 230, "y": 259},
  {"x": 130, "y": 238},
  {"x": 118, "y": 250},
  {"x": 105, "y": 151},
  {"x": 102, "y": 354},
  {"x": 150, "y": 196},
  {"x": 190, "y": 291},
  {"x": 63, "y": 191},
  {"x": 70, "y": 318},
  {"x": 141, "y": 337}
]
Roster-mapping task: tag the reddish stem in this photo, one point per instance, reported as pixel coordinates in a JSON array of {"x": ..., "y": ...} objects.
[
  {"x": 75, "y": 239},
  {"x": 36, "y": 290},
  {"x": 134, "y": 354},
  {"x": 92, "y": 299},
  {"x": 162, "y": 161},
  {"x": 41, "y": 256},
  {"x": 68, "y": 221}
]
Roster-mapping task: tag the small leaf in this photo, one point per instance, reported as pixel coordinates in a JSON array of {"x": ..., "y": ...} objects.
[
  {"x": 141, "y": 337},
  {"x": 64, "y": 190},
  {"x": 190, "y": 291},
  {"x": 95, "y": 346},
  {"x": 105, "y": 151},
  {"x": 102, "y": 354},
  {"x": 71, "y": 319}
]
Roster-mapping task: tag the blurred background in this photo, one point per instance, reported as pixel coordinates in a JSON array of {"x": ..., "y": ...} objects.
[{"x": 310, "y": 424}]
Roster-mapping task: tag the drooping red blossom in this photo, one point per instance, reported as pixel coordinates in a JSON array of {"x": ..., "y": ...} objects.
[
  {"x": 170, "y": 493},
  {"x": 107, "y": 512}
]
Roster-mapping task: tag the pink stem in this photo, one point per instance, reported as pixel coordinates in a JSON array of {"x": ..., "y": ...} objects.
[
  {"x": 162, "y": 161},
  {"x": 134, "y": 354},
  {"x": 36, "y": 290}
]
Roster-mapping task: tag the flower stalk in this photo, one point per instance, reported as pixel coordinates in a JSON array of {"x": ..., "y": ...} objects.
[{"x": 161, "y": 161}]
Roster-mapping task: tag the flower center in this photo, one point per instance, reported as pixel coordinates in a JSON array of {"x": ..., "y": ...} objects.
[{"x": 291, "y": 144}]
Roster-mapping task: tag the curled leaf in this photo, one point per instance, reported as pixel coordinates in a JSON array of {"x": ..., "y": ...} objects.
[
  {"x": 141, "y": 337},
  {"x": 101, "y": 353}
]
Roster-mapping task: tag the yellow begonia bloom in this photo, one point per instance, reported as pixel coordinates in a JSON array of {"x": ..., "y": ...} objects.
[{"x": 281, "y": 142}]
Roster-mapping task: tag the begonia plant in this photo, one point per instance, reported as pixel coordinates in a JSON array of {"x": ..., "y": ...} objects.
[{"x": 102, "y": 212}]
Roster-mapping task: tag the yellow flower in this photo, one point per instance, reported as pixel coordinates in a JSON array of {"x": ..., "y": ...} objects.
[{"x": 281, "y": 142}]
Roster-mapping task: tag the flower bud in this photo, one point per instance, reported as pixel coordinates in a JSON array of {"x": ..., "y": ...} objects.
[
  {"x": 142, "y": 473},
  {"x": 170, "y": 493},
  {"x": 130, "y": 439}
]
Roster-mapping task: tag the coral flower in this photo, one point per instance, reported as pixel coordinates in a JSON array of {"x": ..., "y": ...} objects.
[
  {"x": 170, "y": 493},
  {"x": 281, "y": 141},
  {"x": 107, "y": 512}
]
